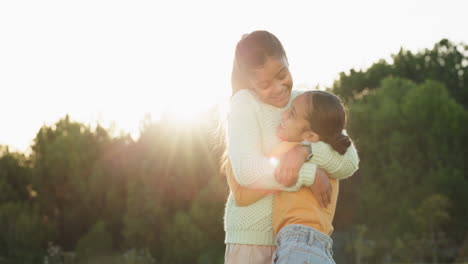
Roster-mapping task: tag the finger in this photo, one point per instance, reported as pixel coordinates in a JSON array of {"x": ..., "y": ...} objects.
[
  {"x": 327, "y": 197},
  {"x": 328, "y": 194},
  {"x": 320, "y": 199},
  {"x": 277, "y": 175},
  {"x": 280, "y": 173},
  {"x": 291, "y": 177},
  {"x": 282, "y": 164},
  {"x": 294, "y": 176},
  {"x": 287, "y": 177},
  {"x": 324, "y": 201}
]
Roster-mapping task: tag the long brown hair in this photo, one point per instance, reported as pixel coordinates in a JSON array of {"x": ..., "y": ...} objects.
[
  {"x": 327, "y": 117},
  {"x": 252, "y": 52}
]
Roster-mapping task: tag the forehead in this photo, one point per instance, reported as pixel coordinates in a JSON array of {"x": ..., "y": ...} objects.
[
  {"x": 269, "y": 70},
  {"x": 301, "y": 103}
]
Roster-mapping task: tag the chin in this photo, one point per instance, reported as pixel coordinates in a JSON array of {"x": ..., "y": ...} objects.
[
  {"x": 279, "y": 135},
  {"x": 282, "y": 104},
  {"x": 286, "y": 100}
]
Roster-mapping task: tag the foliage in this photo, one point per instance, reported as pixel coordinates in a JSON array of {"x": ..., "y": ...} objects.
[
  {"x": 412, "y": 143},
  {"x": 23, "y": 234},
  {"x": 446, "y": 62},
  {"x": 96, "y": 242}
]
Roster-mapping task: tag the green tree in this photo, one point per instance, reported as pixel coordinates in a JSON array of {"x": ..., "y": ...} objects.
[
  {"x": 446, "y": 62},
  {"x": 64, "y": 171},
  {"x": 24, "y": 235},
  {"x": 430, "y": 216},
  {"x": 96, "y": 242},
  {"x": 145, "y": 218},
  {"x": 412, "y": 144},
  {"x": 15, "y": 176}
]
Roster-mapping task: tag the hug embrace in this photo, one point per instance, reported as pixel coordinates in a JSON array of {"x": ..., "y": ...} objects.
[{"x": 286, "y": 152}]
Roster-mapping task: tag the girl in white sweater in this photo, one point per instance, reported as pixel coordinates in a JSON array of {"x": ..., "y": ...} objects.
[{"x": 262, "y": 86}]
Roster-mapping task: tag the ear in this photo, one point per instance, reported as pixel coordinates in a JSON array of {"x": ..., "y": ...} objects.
[{"x": 311, "y": 136}]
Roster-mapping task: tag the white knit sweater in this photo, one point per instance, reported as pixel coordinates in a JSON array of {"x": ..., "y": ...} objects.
[{"x": 251, "y": 135}]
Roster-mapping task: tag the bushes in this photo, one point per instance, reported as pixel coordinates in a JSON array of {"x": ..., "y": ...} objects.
[
  {"x": 412, "y": 142},
  {"x": 24, "y": 236}
]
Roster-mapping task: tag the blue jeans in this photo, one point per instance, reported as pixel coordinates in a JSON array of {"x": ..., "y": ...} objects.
[{"x": 303, "y": 244}]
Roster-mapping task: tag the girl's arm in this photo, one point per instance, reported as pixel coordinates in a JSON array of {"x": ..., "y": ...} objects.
[
  {"x": 251, "y": 168},
  {"x": 325, "y": 157},
  {"x": 338, "y": 166},
  {"x": 243, "y": 196}
]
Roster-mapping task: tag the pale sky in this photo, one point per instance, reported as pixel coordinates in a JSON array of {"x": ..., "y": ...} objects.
[{"x": 115, "y": 61}]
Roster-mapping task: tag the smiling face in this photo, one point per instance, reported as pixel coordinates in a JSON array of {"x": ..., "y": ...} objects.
[
  {"x": 294, "y": 127},
  {"x": 272, "y": 82}
]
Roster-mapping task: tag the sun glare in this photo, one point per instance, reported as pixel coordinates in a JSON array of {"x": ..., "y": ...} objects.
[
  {"x": 188, "y": 108},
  {"x": 185, "y": 113}
]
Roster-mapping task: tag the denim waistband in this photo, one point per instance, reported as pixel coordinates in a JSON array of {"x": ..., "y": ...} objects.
[{"x": 304, "y": 234}]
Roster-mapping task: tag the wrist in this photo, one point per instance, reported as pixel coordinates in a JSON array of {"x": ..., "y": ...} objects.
[
  {"x": 303, "y": 151},
  {"x": 307, "y": 150}
]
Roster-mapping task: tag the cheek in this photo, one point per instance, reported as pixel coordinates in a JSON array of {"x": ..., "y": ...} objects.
[
  {"x": 288, "y": 82},
  {"x": 264, "y": 94},
  {"x": 290, "y": 127}
]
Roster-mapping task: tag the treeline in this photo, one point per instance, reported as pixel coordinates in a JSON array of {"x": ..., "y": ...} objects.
[
  {"x": 408, "y": 203},
  {"x": 86, "y": 196}
]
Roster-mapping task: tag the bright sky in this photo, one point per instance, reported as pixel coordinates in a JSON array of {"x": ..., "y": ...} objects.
[{"x": 115, "y": 61}]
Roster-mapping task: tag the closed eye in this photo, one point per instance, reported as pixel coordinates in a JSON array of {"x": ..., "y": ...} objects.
[{"x": 282, "y": 74}]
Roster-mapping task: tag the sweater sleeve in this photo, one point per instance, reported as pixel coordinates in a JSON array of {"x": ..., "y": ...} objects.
[
  {"x": 338, "y": 166},
  {"x": 250, "y": 166},
  {"x": 243, "y": 196}
]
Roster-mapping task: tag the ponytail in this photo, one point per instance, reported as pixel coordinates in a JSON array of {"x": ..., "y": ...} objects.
[{"x": 340, "y": 143}]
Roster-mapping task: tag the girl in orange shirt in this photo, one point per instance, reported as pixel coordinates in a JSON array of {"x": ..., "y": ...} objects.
[{"x": 302, "y": 225}]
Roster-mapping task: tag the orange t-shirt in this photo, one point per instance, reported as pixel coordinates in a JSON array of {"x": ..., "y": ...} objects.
[{"x": 300, "y": 207}]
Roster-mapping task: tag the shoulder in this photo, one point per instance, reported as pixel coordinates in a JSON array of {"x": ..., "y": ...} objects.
[
  {"x": 243, "y": 99},
  {"x": 244, "y": 95}
]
